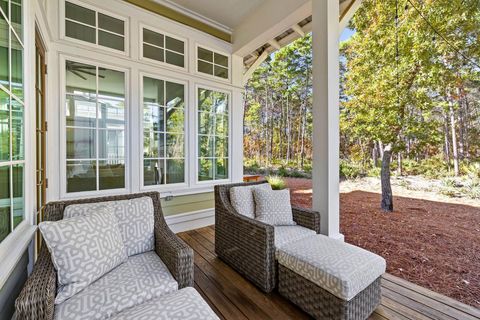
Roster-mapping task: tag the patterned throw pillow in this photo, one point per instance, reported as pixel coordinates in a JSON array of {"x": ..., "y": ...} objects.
[
  {"x": 83, "y": 249},
  {"x": 273, "y": 207},
  {"x": 135, "y": 221},
  {"x": 242, "y": 200}
]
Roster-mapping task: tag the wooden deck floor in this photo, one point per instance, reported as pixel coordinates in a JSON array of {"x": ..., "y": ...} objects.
[{"x": 233, "y": 297}]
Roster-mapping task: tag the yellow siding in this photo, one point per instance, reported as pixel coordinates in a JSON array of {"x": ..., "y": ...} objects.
[{"x": 189, "y": 203}]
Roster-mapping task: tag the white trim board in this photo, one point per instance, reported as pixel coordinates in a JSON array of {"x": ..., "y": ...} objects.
[{"x": 191, "y": 220}]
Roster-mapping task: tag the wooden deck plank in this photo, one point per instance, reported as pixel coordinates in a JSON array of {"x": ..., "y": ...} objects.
[{"x": 233, "y": 297}]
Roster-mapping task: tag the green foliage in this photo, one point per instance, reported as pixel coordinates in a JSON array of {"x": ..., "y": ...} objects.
[
  {"x": 374, "y": 172},
  {"x": 277, "y": 182},
  {"x": 350, "y": 170}
]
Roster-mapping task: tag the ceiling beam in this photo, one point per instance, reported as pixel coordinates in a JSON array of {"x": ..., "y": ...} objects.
[
  {"x": 274, "y": 43},
  {"x": 254, "y": 66},
  {"x": 298, "y": 30}
]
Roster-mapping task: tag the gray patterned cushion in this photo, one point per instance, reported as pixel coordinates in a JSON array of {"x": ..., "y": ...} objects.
[
  {"x": 185, "y": 304},
  {"x": 287, "y": 234},
  {"x": 340, "y": 268},
  {"x": 83, "y": 249},
  {"x": 141, "y": 278},
  {"x": 242, "y": 200},
  {"x": 135, "y": 221},
  {"x": 273, "y": 207}
]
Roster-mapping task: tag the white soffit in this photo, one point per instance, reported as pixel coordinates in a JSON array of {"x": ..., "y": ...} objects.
[{"x": 226, "y": 14}]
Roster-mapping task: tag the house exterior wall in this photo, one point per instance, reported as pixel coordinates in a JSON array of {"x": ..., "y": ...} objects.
[{"x": 192, "y": 196}]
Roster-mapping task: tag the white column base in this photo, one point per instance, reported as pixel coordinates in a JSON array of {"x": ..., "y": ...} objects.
[{"x": 338, "y": 236}]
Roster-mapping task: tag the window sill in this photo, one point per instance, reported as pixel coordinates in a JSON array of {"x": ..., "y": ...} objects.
[{"x": 12, "y": 249}]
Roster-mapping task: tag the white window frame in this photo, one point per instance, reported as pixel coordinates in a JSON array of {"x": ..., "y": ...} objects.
[
  {"x": 164, "y": 63},
  {"x": 196, "y": 157},
  {"x": 213, "y": 76},
  {"x": 186, "y": 133},
  {"x": 63, "y": 137},
  {"x": 126, "y": 36}
]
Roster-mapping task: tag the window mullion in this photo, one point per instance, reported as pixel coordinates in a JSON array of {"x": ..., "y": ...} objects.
[{"x": 97, "y": 131}]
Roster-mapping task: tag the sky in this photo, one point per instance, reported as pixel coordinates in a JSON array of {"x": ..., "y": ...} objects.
[{"x": 346, "y": 34}]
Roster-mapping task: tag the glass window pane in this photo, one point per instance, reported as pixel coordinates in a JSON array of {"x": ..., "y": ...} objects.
[
  {"x": 205, "y": 67},
  {"x": 18, "y": 194},
  {"x": 4, "y": 126},
  {"x": 175, "y": 120},
  {"x": 111, "y": 98},
  {"x": 174, "y": 44},
  {"x": 205, "y": 144},
  {"x": 5, "y": 205},
  {"x": 81, "y": 105},
  {"x": 205, "y": 169},
  {"x": 206, "y": 123},
  {"x": 111, "y": 174},
  {"x": 175, "y": 146},
  {"x": 205, "y": 54},
  {"x": 111, "y": 40},
  {"x": 221, "y": 147},
  {"x": 111, "y": 24},
  {"x": 17, "y": 67},
  {"x": 153, "y": 117},
  {"x": 221, "y": 169},
  {"x": 221, "y": 126},
  {"x": 221, "y": 59},
  {"x": 4, "y": 52},
  {"x": 80, "y": 143},
  {"x": 16, "y": 12},
  {"x": 153, "y": 172},
  {"x": 18, "y": 131},
  {"x": 4, "y": 8},
  {"x": 221, "y": 72},
  {"x": 220, "y": 101},
  {"x": 175, "y": 94},
  {"x": 175, "y": 171},
  {"x": 153, "y": 144},
  {"x": 111, "y": 144},
  {"x": 205, "y": 102},
  {"x": 153, "y": 53},
  {"x": 81, "y": 176},
  {"x": 80, "y": 32},
  {"x": 175, "y": 59},
  {"x": 153, "y": 91},
  {"x": 78, "y": 13},
  {"x": 153, "y": 38}
]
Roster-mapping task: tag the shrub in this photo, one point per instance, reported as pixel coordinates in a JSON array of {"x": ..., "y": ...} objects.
[
  {"x": 277, "y": 182},
  {"x": 349, "y": 170},
  {"x": 374, "y": 172},
  {"x": 434, "y": 167},
  {"x": 282, "y": 171}
]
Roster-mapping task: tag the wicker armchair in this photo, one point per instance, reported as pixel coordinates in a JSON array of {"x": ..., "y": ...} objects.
[
  {"x": 36, "y": 301},
  {"x": 247, "y": 245}
]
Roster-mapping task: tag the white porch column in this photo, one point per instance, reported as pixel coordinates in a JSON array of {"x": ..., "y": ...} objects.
[{"x": 326, "y": 131}]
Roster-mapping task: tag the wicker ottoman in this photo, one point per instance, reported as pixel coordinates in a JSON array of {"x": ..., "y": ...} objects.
[
  {"x": 330, "y": 279},
  {"x": 184, "y": 304}
]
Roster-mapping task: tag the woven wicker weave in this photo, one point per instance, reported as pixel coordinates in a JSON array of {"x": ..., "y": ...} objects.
[
  {"x": 321, "y": 304},
  {"x": 36, "y": 301},
  {"x": 247, "y": 245}
]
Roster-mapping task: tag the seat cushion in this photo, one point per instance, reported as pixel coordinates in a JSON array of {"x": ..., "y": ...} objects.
[
  {"x": 141, "y": 278},
  {"x": 135, "y": 221},
  {"x": 83, "y": 249},
  {"x": 338, "y": 267},
  {"x": 185, "y": 304},
  {"x": 242, "y": 200},
  {"x": 273, "y": 207},
  {"x": 287, "y": 234}
]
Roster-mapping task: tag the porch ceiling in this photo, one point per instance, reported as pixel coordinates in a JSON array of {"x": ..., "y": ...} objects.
[{"x": 230, "y": 19}]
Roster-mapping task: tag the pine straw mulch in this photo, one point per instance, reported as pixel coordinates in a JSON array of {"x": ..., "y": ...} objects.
[{"x": 433, "y": 244}]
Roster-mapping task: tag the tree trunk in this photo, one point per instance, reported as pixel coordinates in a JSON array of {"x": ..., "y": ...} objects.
[
  {"x": 375, "y": 154},
  {"x": 289, "y": 133},
  {"x": 387, "y": 196},
  {"x": 454, "y": 141},
  {"x": 447, "y": 141},
  {"x": 399, "y": 164}
]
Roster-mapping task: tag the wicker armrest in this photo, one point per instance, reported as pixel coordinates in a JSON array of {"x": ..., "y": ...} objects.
[
  {"x": 307, "y": 218},
  {"x": 176, "y": 254},
  {"x": 37, "y": 298}
]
